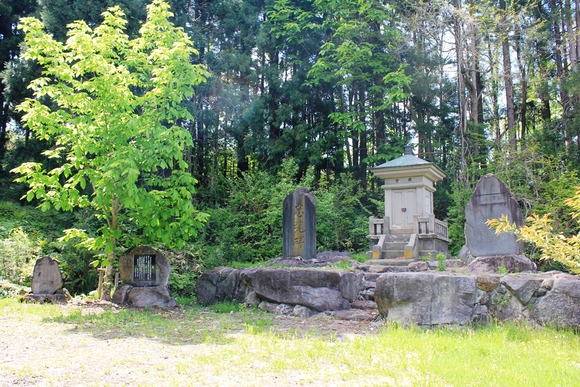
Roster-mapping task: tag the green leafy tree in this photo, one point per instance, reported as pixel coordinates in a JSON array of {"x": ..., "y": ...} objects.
[{"x": 112, "y": 105}]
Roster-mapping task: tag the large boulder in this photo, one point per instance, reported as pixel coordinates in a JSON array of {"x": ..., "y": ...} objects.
[
  {"x": 510, "y": 263},
  {"x": 319, "y": 290},
  {"x": 426, "y": 298},
  {"x": 141, "y": 297},
  {"x": 315, "y": 289},
  {"x": 560, "y": 305}
]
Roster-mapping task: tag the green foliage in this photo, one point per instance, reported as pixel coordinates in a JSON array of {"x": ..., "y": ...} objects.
[
  {"x": 18, "y": 253},
  {"x": 441, "y": 261},
  {"x": 249, "y": 226},
  {"x": 460, "y": 197},
  {"x": 112, "y": 105},
  {"x": 540, "y": 232},
  {"x": 360, "y": 257},
  {"x": 185, "y": 269},
  {"x": 227, "y": 307}
]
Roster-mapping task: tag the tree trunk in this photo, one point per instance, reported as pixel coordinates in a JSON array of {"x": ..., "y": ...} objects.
[{"x": 508, "y": 81}]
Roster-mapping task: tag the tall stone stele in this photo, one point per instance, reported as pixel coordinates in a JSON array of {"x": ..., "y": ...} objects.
[
  {"x": 299, "y": 225},
  {"x": 486, "y": 250},
  {"x": 491, "y": 199}
]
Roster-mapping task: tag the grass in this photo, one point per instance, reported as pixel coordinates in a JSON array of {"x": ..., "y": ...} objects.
[{"x": 247, "y": 343}]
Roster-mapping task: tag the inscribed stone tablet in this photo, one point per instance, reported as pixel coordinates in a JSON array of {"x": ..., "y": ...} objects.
[
  {"x": 46, "y": 277},
  {"x": 144, "y": 266},
  {"x": 299, "y": 224},
  {"x": 491, "y": 199}
]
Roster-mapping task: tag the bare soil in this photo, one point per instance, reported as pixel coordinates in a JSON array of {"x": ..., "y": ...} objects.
[{"x": 37, "y": 351}]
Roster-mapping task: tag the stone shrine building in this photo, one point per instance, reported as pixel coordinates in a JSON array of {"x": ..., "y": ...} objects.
[
  {"x": 409, "y": 228},
  {"x": 145, "y": 278}
]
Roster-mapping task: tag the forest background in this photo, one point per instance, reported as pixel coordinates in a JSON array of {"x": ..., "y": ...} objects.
[{"x": 313, "y": 93}]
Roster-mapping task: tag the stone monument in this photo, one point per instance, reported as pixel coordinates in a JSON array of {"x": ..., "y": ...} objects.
[
  {"x": 144, "y": 272},
  {"x": 299, "y": 225},
  {"x": 46, "y": 282},
  {"x": 492, "y": 199}
]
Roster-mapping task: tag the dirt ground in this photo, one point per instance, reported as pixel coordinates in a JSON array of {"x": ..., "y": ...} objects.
[{"x": 37, "y": 352}]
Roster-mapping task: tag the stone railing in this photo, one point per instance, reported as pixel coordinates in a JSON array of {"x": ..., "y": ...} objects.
[
  {"x": 378, "y": 226},
  {"x": 430, "y": 225},
  {"x": 378, "y": 230}
]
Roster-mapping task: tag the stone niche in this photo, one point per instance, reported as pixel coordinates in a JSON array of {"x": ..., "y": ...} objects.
[{"x": 144, "y": 273}]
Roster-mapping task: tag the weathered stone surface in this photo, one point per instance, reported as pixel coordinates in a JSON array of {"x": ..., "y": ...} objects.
[
  {"x": 353, "y": 315},
  {"x": 120, "y": 295},
  {"x": 206, "y": 287},
  {"x": 55, "y": 298},
  {"x": 129, "y": 267},
  {"x": 315, "y": 289},
  {"x": 299, "y": 224},
  {"x": 425, "y": 298},
  {"x": 522, "y": 287},
  {"x": 487, "y": 283},
  {"x": 350, "y": 286},
  {"x": 491, "y": 199},
  {"x": 504, "y": 306},
  {"x": 560, "y": 306},
  {"x": 511, "y": 263},
  {"x": 301, "y": 311},
  {"x": 150, "y": 296},
  {"x": 418, "y": 266},
  {"x": 46, "y": 277}
]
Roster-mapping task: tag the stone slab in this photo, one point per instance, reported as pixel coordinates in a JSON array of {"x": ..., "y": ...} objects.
[
  {"x": 491, "y": 199},
  {"x": 46, "y": 276}
]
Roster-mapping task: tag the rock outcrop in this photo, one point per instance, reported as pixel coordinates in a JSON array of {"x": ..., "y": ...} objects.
[
  {"x": 420, "y": 296},
  {"x": 435, "y": 299},
  {"x": 313, "y": 291}
]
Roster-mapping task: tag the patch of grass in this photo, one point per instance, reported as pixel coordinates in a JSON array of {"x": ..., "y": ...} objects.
[
  {"x": 345, "y": 264},
  {"x": 360, "y": 257},
  {"x": 252, "y": 344},
  {"x": 227, "y": 307}
]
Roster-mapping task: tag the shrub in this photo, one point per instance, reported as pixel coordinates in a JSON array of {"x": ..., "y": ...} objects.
[
  {"x": 18, "y": 253},
  {"x": 540, "y": 232}
]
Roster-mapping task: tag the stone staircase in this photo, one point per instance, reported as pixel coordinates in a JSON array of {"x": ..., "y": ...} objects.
[
  {"x": 395, "y": 243},
  {"x": 373, "y": 270}
]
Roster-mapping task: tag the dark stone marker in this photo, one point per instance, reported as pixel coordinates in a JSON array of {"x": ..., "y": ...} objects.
[
  {"x": 299, "y": 224},
  {"x": 491, "y": 199}
]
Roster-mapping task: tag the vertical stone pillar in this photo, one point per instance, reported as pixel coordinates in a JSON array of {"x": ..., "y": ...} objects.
[{"x": 299, "y": 224}]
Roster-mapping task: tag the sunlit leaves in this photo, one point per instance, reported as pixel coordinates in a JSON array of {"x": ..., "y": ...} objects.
[
  {"x": 111, "y": 104},
  {"x": 539, "y": 231}
]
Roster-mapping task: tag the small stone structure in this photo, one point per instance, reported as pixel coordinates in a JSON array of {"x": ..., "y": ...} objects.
[
  {"x": 409, "y": 228},
  {"x": 299, "y": 225},
  {"x": 46, "y": 282},
  {"x": 144, "y": 272}
]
